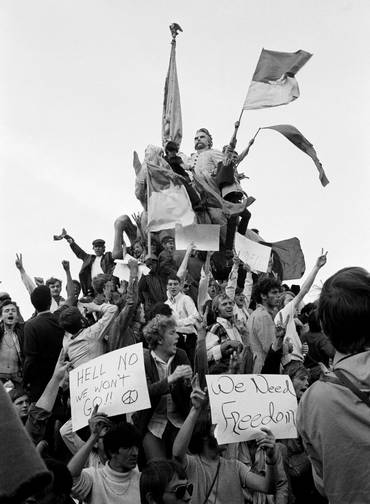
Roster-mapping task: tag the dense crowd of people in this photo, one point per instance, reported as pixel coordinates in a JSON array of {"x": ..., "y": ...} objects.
[{"x": 196, "y": 313}]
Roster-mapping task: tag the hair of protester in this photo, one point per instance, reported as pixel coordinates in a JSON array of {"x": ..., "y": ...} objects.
[
  {"x": 308, "y": 308},
  {"x": 173, "y": 277},
  {"x": 171, "y": 147},
  {"x": 77, "y": 283},
  {"x": 217, "y": 300},
  {"x": 51, "y": 281},
  {"x": 296, "y": 369},
  {"x": 122, "y": 435},
  {"x": 16, "y": 393},
  {"x": 238, "y": 291},
  {"x": 155, "y": 329},
  {"x": 99, "y": 282},
  {"x": 160, "y": 309},
  {"x": 202, "y": 431},
  {"x": 263, "y": 286},
  {"x": 204, "y": 130},
  {"x": 156, "y": 476},
  {"x": 344, "y": 310},
  {"x": 70, "y": 320},
  {"x": 166, "y": 239},
  {"x": 41, "y": 298},
  {"x": 314, "y": 322}
]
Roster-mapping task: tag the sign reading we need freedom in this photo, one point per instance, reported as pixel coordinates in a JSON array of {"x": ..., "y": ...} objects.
[
  {"x": 242, "y": 404},
  {"x": 115, "y": 381}
]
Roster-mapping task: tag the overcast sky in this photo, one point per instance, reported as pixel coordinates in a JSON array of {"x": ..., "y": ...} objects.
[{"x": 81, "y": 87}]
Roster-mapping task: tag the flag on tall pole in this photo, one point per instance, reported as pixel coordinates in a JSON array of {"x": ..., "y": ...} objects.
[
  {"x": 168, "y": 201},
  {"x": 171, "y": 118},
  {"x": 295, "y": 136},
  {"x": 273, "y": 82}
]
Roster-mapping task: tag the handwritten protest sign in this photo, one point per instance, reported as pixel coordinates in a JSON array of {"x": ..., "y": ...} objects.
[
  {"x": 257, "y": 256},
  {"x": 115, "y": 382},
  {"x": 242, "y": 404},
  {"x": 122, "y": 271},
  {"x": 204, "y": 236}
]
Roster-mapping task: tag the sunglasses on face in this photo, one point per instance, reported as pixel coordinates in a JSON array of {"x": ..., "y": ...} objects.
[{"x": 181, "y": 490}]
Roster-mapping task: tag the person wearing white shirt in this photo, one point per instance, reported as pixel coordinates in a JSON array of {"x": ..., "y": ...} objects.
[{"x": 185, "y": 314}]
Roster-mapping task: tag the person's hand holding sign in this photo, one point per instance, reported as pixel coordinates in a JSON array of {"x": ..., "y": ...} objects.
[{"x": 268, "y": 443}]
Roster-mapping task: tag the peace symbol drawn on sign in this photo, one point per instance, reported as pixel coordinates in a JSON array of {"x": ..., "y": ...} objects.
[{"x": 129, "y": 397}]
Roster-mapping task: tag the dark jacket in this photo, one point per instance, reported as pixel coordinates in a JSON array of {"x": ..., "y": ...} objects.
[
  {"x": 157, "y": 388},
  {"x": 152, "y": 290},
  {"x": 43, "y": 339},
  {"x": 106, "y": 263}
]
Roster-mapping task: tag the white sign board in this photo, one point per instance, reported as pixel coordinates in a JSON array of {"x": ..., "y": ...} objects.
[
  {"x": 122, "y": 271},
  {"x": 242, "y": 404},
  {"x": 204, "y": 236},
  {"x": 257, "y": 256},
  {"x": 115, "y": 381}
]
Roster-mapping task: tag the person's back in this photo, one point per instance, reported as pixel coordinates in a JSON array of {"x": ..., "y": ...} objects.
[
  {"x": 43, "y": 339},
  {"x": 334, "y": 423}
]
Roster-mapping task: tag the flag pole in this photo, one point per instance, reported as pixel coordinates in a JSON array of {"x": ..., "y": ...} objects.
[{"x": 147, "y": 212}]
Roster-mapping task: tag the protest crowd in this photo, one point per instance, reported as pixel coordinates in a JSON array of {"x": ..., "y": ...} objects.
[{"x": 199, "y": 314}]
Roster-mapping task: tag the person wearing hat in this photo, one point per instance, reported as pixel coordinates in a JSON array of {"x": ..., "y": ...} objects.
[{"x": 93, "y": 264}]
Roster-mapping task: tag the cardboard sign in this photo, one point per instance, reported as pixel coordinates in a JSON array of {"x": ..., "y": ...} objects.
[
  {"x": 115, "y": 381},
  {"x": 204, "y": 236},
  {"x": 257, "y": 256},
  {"x": 242, "y": 404}
]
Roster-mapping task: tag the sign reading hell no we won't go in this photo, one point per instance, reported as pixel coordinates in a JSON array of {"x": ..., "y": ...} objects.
[{"x": 115, "y": 381}]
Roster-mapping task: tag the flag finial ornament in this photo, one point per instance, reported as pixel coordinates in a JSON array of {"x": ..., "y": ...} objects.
[{"x": 175, "y": 28}]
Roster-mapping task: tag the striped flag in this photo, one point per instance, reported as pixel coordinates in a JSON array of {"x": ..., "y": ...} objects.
[
  {"x": 295, "y": 136},
  {"x": 273, "y": 82},
  {"x": 168, "y": 201}
]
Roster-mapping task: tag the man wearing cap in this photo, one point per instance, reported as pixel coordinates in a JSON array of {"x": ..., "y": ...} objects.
[{"x": 93, "y": 264}]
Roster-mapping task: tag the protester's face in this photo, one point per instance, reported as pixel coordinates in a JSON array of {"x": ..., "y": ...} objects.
[
  {"x": 171, "y": 154},
  {"x": 226, "y": 308},
  {"x": 300, "y": 384},
  {"x": 108, "y": 289},
  {"x": 239, "y": 300},
  {"x": 9, "y": 314},
  {"x": 271, "y": 299},
  {"x": 177, "y": 491},
  {"x": 55, "y": 289},
  {"x": 138, "y": 250},
  {"x": 169, "y": 341},
  {"x": 76, "y": 289},
  {"x": 99, "y": 250},
  {"x": 186, "y": 287},
  {"x": 169, "y": 246},
  {"x": 173, "y": 287},
  {"x": 126, "y": 458},
  {"x": 201, "y": 141},
  {"x": 22, "y": 405},
  {"x": 212, "y": 289}
]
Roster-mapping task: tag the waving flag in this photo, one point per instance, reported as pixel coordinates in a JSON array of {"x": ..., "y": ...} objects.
[
  {"x": 295, "y": 136},
  {"x": 171, "y": 118},
  {"x": 273, "y": 82},
  {"x": 168, "y": 201}
]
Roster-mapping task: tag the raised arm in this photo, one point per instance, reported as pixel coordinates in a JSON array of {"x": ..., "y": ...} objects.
[
  {"x": 71, "y": 298},
  {"x": 203, "y": 283},
  {"x": 181, "y": 443},
  {"x": 81, "y": 254},
  {"x": 181, "y": 272},
  {"x": 27, "y": 281},
  {"x": 307, "y": 284},
  {"x": 98, "y": 426},
  {"x": 233, "y": 278}
]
